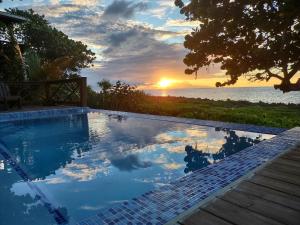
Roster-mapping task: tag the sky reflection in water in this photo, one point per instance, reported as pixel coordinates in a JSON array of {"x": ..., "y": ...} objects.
[{"x": 88, "y": 162}]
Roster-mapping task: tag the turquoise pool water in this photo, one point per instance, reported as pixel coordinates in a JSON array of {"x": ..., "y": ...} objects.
[{"x": 84, "y": 163}]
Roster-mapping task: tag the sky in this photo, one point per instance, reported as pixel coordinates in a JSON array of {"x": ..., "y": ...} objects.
[{"x": 137, "y": 41}]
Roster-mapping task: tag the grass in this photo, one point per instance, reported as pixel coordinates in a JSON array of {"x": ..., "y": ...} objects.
[{"x": 273, "y": 115}]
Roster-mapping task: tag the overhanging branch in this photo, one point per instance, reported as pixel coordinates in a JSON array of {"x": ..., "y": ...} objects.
[
  {"x": 270, "y": 74},
  {"x": 288, "y": 86}
]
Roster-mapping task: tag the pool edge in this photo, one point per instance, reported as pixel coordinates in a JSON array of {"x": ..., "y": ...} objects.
[
  {"x": 226, "y": 189},
  {"x": 288, "y": 137},
  {"x": 165, "y": 212},
  {"x": 207, "y": 123},
  {"x": 58, "y": 112}
]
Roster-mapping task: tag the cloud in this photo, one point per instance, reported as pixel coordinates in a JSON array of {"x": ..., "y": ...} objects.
[
  {"x": 85, "y": 2},
  {"x": 126, "y": 49},
  {"x": 173, "y": 166},
  {"x": 182, "y": 23},
  {"x": 129, "y": 163},
  {"x": 123, "y": 9},
  {"x": 116, "y": 39},
  {"x": 83, "y": 172}
]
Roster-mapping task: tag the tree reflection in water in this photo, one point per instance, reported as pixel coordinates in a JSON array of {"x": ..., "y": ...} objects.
[{"x": 197, "y": 159}]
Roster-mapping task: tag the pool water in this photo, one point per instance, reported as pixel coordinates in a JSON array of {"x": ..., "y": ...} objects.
[{"x": 84, "y": 163}]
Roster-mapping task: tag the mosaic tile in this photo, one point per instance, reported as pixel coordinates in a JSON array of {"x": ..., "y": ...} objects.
[
  {"x": 45, "y": 113},
  {"x": 165, "y": 203}
]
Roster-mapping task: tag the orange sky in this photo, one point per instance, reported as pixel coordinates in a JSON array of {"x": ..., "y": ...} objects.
[
  {"x": 143, "y": 47},
  {"x": 172, "y": 80}
]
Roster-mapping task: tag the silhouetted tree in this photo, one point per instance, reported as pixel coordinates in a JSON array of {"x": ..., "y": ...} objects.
[
  {"x": 197, "y": 159},
  {"x": 234, "y": 143},
  {"x": 119, "y": 96},
  {"x": 54, "y": 52},
  {"x": 259, "y": 39}
]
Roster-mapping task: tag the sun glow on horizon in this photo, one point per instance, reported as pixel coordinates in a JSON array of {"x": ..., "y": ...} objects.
[{"x": 164, "y": 83}]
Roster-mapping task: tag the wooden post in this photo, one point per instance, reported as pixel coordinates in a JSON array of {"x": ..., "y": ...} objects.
[
  {"x": 47, "y": 93},
  {"x": 83, "y": 92}
]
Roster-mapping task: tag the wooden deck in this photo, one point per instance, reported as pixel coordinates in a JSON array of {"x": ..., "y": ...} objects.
[{"x": 271, "y": 196}]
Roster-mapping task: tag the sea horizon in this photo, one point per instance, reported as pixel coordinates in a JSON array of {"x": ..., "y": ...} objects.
[{"x": 265, "y": 94}]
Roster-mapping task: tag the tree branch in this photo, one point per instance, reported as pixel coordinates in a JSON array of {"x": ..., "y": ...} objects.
[
  {"x": 288, "y": 86},
  {"x": 294, "y": 70},
  {"x": 270, "y": 74}
]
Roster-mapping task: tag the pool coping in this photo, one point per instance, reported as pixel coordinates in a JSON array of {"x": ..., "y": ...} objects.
[
  {"x": 168, "y": 204},
  {"x": 207, "y": 123},
  {"x": 46, "y": 113},
  {"x": 42, "y": 113},
  {"x": 180, "y": 218}
]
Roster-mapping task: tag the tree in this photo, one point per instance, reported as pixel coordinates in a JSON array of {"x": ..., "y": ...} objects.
[
  {"x": 197, "y": 159},
  {"x": 119, "y": 96},
  {"x": 105, "y": 86},
  {"x": 259, "y": 39},
  {"x": 57, "y": 52}
]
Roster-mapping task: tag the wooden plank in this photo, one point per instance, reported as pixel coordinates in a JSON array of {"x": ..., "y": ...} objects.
[
  {"x": 204, "y": 218},
  {"x": 263, "y": 207},
  {"x": 236, "y": 214},
  {"x": 296, "y": 159},
  {"x": 271, "y": 195},
  {"x": 288, "y": 162},
  {"x": 292, "y": 156},
  {"x": 277, "y": 185},
  {"x": 295, "y": 151},
  {"x": 280, "y": 175},
  {"x": 284, "y": 168}
]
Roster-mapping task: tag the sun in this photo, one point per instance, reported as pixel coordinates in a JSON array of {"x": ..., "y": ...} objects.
[{"x": 164, "y": 83}]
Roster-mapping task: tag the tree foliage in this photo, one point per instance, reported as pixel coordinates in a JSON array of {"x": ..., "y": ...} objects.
[
  {"x": 49, "y": 70},
  {"x": 116, "y": 96},
  {"x": 119, "y": 95},
  {"x": 259, "y": 39},
  {"x": 57, "y": 52}
]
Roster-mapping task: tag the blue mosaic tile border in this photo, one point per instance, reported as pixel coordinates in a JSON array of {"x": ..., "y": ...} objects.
[
  {"x": 208, "y": 123},
  {"x": 44, "y": 113},
  {"x": 166, "y": 203}
]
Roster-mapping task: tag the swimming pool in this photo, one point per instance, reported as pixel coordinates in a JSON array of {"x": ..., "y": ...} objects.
[{"x": 61, "y": 170}]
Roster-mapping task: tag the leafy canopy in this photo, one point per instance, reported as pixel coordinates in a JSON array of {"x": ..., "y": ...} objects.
[
  {"x": 50, "y": 45},
  {"x": 259, "y": 39},
  {"x": 118, "y": 96}
]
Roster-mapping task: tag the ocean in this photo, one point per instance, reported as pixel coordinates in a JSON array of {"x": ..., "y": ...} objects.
[{"x": 252, "y": 94}]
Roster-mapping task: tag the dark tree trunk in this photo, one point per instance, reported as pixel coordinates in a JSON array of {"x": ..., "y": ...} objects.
[{"x": 287, "y": 86}]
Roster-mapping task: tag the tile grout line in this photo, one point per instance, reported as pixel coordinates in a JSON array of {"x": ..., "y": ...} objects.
[{"x": 253, "y": 150}]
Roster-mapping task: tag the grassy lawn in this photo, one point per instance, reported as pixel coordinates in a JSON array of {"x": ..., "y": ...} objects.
[{"x": 274, "y": 115}]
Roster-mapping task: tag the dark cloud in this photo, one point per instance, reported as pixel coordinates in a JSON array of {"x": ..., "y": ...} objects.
[
  {"x": 126, "y": 50},
  {"x": 123, "y": 9},
  {"x": 129, "y": 163},
  {"x": 115, "y": 39}
]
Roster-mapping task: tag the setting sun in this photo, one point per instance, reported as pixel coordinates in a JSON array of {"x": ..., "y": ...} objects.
[{"x": 164, "y": 83}]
